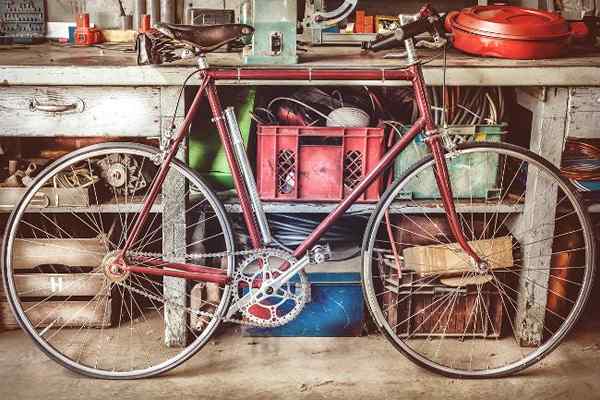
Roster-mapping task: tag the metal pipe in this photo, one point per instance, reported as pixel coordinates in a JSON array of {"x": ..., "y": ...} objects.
[
  {"x": 242, "y": 158},
  {"x": 167, "y": 11},
  {"x": 186, "y": 12},
  {"x": 154, "y": 12},
  {"x": 242, "y": 192},
  {"x": 139, "y": 10},
  {"x": 126, "y": 22}
]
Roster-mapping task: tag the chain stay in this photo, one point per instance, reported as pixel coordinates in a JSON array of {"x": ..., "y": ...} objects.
[{"x": 193, "y": 257}]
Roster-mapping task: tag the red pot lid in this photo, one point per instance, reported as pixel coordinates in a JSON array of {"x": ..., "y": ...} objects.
[{"x": 512, "y": 22}]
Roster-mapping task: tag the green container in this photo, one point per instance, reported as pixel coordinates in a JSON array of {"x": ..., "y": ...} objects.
[
  {"x": 472, "y": 175},
  {"x": 206, "y": 153}
]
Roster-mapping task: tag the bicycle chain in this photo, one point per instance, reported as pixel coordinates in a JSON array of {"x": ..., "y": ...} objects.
[
  {"x": 200, "y": 256},
  {"x": 191, "y": 257}
]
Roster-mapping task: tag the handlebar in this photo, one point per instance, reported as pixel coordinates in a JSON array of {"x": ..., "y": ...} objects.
[{"x": 428, "y": 21}]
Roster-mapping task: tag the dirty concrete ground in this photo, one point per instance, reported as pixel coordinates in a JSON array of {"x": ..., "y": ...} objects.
[{"x": 234, "y": 367}]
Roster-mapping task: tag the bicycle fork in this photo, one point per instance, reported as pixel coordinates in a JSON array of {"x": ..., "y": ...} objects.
[{"x": 442, "y": 177}]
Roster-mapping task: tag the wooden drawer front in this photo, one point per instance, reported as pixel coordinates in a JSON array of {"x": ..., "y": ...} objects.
[
  {"x": 79, "y": 111},
  {"x": 583, "y": 120}
]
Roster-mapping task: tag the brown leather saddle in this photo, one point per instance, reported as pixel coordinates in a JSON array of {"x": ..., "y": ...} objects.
[{"x": 205, "y": 38}]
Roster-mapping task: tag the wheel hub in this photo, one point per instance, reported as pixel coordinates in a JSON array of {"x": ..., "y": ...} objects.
[
  {"x": 117, "y": 175},
  {"x": 482, "y": 267},
  {"x": 114, "y": 268}
]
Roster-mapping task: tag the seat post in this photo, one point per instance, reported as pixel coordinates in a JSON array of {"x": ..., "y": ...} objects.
[{"x": 202, "y": 62}]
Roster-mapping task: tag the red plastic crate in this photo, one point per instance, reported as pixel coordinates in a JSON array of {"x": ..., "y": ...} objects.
[{"x": 317, "y": 163}]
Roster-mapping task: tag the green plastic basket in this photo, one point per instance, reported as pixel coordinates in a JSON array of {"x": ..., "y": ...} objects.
[
  {"x": 206, "y": 153},
  {"x": 472, "y": 175}
]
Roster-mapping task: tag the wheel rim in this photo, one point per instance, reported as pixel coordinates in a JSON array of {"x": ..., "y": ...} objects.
[
  {"x": 88, "y": 294},
  {"x": 428, "y": 342}
]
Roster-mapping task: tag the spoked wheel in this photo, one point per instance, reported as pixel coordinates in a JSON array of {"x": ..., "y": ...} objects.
[
  {"x": 57, "y": 253},
  {"x": 489, "y": 320}
]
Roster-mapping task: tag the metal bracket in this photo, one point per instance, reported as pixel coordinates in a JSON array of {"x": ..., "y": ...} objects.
[{"x": 319, "y": 254}]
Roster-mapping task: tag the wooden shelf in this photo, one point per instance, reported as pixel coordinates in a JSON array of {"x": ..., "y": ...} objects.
[{"x": 412, "y": 207}]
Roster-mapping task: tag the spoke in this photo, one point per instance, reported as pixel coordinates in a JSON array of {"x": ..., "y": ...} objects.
[{"x": 490, "y": 307}]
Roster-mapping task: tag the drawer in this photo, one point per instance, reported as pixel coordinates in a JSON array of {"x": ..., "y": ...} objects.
[
  {"x": 583, "y": 118},
  {"x": 585, "y": 99},
  {"x": 80, "y": 111}
]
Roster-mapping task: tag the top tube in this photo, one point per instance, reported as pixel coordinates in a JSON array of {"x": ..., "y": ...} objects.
[{"x": 311, "y": 74}]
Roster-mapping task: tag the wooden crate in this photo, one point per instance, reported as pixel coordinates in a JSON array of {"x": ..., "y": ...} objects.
[
  {"x": 74, "y": 298},
  {"x": 67, "y": 314},
  {"x": 418, "y": 310}
]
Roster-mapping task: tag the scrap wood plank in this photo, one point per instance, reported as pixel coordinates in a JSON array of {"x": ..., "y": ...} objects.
[
  {"x": 451, "y": 259},
  {"x": 44, "y": 285},
  {"x": 45, "y": 197},
  {"x": 29, "y": 253},
  {"x": 96, "y": 313}
]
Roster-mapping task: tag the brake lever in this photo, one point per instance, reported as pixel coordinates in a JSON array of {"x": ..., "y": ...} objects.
[
  {"x": 433, "y": 44},
  {"x": 429, "y": 44}
]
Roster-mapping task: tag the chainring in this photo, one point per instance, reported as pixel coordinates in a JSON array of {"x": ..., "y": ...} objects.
[{"x": 281, "y": 305}]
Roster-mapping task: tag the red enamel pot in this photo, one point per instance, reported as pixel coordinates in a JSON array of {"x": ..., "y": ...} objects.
[{"x": 512, "y": 32}]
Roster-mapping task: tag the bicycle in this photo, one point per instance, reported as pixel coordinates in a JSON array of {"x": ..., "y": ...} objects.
[{"x": 521, "y": 263}]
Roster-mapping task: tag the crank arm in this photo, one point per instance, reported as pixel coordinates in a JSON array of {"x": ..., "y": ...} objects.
[{"x": 275, "y": 284}]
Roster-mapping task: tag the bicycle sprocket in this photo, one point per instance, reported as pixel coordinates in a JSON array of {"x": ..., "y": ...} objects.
[{"x": 279, "y": 306}]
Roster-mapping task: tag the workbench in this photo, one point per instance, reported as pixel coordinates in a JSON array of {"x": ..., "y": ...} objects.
[
  {"x": 563, "y": 95},
  {"x": 52, "y": 64}
]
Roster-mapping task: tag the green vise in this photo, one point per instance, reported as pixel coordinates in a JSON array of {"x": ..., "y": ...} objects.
[{"x": 274, "y": 40}]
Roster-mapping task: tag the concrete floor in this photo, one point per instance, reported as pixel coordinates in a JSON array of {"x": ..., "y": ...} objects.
[{"x": 234, "y": 367}]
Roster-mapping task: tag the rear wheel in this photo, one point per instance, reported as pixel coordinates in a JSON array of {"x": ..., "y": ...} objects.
[
  {"x": 459, "y": 319},
  {"x": 57, "y": 254}
]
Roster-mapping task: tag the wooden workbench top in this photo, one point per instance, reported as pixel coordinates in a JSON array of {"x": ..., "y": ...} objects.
[{"x": 51, "y": 64}]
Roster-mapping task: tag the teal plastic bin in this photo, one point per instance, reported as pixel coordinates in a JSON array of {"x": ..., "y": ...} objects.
[{"x": 472, "y": 175}]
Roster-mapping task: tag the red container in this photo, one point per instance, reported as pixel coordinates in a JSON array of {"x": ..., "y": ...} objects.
[
  {"x": 84, "y": 35},
  {"x": 317, "y": 163},
  {"x": 512, "y": 32}
]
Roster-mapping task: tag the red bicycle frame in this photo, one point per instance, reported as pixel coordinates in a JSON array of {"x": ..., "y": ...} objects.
[{"x": 425, "y": 123}]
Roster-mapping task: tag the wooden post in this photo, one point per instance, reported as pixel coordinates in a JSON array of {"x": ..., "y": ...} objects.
[
  {"x": 549, "y": 107},
  {"x": 174, "y": 234}
]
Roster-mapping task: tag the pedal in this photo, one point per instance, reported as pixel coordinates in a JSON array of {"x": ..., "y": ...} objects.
[{"x": 319, "y": 254}]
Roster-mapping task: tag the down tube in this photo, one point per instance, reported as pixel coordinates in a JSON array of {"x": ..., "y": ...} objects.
[{"x": 381, "y": 166}]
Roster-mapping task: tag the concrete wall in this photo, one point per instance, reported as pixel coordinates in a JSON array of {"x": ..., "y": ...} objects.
[{"x": 105, "y": 13}]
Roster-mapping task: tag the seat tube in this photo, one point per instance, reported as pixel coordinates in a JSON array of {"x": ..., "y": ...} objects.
[
  {"x": 238, "y": 181},
  {"x": 164, "y": 168}
]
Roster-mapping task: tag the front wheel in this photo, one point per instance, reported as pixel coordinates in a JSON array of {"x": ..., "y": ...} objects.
[
  {"x": 57, "y": 253},
  {"x": 492, "y": 319}
]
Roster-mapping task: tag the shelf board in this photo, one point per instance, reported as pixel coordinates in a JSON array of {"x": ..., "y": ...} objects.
[
  {"x": 594, "y": 208},
  {"x": 412, "y": 207},
  {"x": 94, "y": 209}
]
